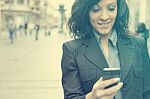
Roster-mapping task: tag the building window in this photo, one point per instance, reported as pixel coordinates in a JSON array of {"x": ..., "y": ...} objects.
[
  {"x": 8, "y": 18},
  {"x": 9, "y": 1},
  {"x": 20, "y": 1}
]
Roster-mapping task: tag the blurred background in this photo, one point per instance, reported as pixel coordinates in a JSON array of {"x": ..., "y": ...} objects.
[{"x": 31, "y": 37}]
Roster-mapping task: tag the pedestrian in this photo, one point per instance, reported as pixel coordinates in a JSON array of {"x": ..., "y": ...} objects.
[
  {"x": 102, "y": 40},
  {"x": 21, "y": 29},
  {"x": 30, "y": 27},
  {"x": 37, "y": 28},
  {"x": 11, "y": 30},
  {"x": 142, "y": 30},
  {"x": 25, "y": 28}
]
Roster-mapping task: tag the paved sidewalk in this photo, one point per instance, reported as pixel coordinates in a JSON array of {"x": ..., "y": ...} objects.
[{"x": 30, "y": 69}]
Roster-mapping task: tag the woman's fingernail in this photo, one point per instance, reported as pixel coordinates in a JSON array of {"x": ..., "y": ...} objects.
[{"x": 117, "y": 79}]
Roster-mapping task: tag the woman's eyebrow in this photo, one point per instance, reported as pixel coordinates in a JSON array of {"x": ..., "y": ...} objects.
[{"x": 113, "y": 3}]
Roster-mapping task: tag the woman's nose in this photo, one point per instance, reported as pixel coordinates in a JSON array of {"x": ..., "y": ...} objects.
[{"x": 104, "y": 16}]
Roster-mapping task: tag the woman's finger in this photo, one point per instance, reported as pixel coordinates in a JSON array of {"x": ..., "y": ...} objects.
[
  {"x": 106, "y": 83},
  {"x": 113, "y": 89}
]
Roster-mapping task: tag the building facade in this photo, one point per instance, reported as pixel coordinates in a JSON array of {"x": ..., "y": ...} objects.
[
  {"x": 139, "y": 12},
  {"x": 20, "y": 11}
]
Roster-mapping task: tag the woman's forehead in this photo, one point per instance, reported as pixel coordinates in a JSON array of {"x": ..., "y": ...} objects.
[{"x": 105, "y": 2}]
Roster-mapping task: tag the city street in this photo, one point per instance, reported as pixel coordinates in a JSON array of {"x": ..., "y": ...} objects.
[
  {"x": 30, "y": 64},
  {"x": 30, "y": 69}
]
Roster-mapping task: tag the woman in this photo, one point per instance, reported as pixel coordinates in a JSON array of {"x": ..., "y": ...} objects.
[{"x": 102, "y": 40}]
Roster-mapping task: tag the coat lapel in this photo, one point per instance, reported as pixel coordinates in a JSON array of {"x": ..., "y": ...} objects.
[
  {"x": 94, "y": 54},
  {"x": 126, "y": 55}
]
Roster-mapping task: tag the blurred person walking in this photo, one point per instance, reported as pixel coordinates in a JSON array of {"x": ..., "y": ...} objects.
[
  {"x": 37, "y": 28},
  {"x": 25, "y": 28},
  {"x": 30, "y": 27},
  {"x": 21, "y": 29},
  {"x": 11, "y": 30},
  {"x": 143, "y": 32}
]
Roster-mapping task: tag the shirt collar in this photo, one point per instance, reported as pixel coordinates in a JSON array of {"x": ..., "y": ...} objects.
[{"x": 113, "y": 37}]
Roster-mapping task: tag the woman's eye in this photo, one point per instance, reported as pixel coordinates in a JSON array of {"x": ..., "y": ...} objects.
[
  {"x": 96, "y": 9},
  {"x": 111, "y": 8}
]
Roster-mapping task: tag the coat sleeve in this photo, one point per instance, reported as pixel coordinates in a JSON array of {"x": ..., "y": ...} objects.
[
  {"x": 146, "y": 64},
  {"x": 70, "y": 74}
]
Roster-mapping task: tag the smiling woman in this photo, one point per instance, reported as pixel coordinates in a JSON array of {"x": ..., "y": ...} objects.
[
  {"x": 103, "y": 16},
  {"x": 102, "y": 40}
]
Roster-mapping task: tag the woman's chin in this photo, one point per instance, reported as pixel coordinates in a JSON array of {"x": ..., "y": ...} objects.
[{"x": 106, "y": 32}]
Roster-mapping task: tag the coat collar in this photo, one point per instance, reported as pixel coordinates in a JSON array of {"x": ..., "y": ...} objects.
[{"x": 94, "y": 54}]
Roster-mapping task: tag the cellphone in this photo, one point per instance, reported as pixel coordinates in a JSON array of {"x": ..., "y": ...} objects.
[{"x": 111, "y": 73}]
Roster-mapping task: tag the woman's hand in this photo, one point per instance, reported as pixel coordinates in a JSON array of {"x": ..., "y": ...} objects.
[{"x": 100, "y": 91}]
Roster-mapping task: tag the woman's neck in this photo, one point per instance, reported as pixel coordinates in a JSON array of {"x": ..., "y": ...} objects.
[{"x": 104, "y": 38}]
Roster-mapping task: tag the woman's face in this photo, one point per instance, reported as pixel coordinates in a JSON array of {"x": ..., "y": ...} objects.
[{"x": 103, "y": 16}]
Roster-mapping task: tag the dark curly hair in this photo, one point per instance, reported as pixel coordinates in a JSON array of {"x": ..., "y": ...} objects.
[{"x": 80, "y": 26}]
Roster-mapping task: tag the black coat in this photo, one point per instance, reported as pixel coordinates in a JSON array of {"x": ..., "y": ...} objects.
[{"x": 83, "y": 62}]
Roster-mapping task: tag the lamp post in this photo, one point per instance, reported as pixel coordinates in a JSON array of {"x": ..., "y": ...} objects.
[{"x": 62, "y": 15}]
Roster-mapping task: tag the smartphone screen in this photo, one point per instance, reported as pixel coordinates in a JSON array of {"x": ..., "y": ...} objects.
[{"x": 111, "y": 73}]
